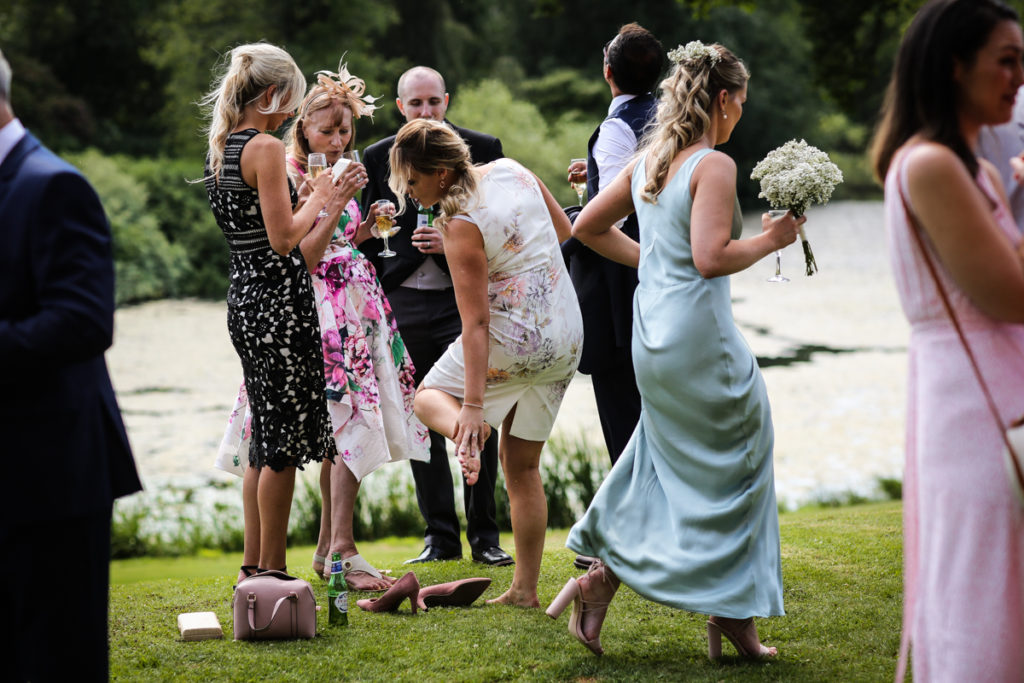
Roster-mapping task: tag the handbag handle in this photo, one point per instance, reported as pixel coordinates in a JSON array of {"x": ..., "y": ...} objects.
[
  {"x": 291, "y": 597},
  {"x": 916, "y": 230}
]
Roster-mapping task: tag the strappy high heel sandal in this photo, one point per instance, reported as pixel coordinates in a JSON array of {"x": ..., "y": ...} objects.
[
  {"x": 717, "y": 630},
  {"x": 573, "y": 592}
]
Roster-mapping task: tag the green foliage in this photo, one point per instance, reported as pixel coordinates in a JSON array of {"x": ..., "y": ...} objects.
[
  {"x": 182, "y": 210},
  {"x": 843, "y": 593},
  {"x": 525, "y": 135},
  {"x": 147, "y": 265}
]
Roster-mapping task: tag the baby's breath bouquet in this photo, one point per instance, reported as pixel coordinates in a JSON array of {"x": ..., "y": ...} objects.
[{"x": 795, "y": 176}]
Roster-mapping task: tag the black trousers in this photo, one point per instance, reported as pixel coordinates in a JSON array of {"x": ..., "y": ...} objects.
[
  {"x": 56, "y": 582},
  {"x": 618, "y": 403},
  {"x": 429, "y": 322}
]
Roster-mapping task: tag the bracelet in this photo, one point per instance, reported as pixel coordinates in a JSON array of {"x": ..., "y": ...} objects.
[{"x": 472, "y": 405}]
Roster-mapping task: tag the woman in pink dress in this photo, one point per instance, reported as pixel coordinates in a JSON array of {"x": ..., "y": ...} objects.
[{"x": 958, "y": 69}]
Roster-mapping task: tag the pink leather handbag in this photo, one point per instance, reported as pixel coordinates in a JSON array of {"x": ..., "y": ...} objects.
[{"x": 273, "y": 606}]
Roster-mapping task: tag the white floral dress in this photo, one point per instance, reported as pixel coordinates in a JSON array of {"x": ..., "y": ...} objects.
[
  {"x": 367, "y": 369},
  {"x": 536, "y": 331}
]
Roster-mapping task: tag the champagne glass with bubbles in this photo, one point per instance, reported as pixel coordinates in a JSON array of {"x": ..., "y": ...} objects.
[
  {"x": 578, "y": 181},
  {"x": 316, "y": 163},
  {"x": 385, "y": 226}
]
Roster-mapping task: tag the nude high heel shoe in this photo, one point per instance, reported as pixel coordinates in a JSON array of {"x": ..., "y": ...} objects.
[
  {"x": 573, "y": 592},
  {"x": 717, "y": 630},
  {"x": 406, "y": 587}
]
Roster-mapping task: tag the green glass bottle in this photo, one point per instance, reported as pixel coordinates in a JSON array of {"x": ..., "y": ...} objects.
[{"x": 337, "y": 594}]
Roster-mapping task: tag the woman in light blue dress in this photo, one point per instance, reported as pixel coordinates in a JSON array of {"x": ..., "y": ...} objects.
[{"x": 687, "y": 516}]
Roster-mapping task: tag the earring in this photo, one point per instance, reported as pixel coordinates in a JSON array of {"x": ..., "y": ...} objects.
[
  {"x": 442, "y": 184},
  {"x": 724, "y": 115}
]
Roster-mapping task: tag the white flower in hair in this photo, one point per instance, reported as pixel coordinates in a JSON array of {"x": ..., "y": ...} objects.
[{"x": 695, "y": 52}]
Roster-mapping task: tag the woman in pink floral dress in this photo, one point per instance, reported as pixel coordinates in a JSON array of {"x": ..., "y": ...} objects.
[
  {"x": 368, "y": 372},
  {"x": 521, "y": 326}
]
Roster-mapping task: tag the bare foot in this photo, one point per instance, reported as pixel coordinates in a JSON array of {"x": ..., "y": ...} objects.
[
  {"x": 469, "y": 458},
  {"x": 361, "y": 581},
  {"x": 516, "y": 598},
  {"x": 597, "y": 587}
]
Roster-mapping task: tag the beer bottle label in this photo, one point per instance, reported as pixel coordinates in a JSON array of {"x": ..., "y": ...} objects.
[
  {"x": 422, "y": 219},
  {"x": 341, "y": 602}
]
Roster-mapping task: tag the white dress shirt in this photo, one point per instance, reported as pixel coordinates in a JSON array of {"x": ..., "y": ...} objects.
[
  {"x": 615, "y": 145},
  {"x": 9, "y": 137}
]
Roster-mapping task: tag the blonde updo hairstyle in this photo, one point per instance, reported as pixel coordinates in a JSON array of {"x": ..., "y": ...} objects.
[
  {"x": 428, "y": 146},
  {"x": 248, "y": 72},
  {"x": 687, "y": 99},
  {"x": 334, "y": 91}
]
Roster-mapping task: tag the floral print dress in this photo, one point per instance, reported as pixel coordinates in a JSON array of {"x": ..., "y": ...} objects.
[
  {"x": 368, "y": 372},
  {"x": 536, "y": 331}
]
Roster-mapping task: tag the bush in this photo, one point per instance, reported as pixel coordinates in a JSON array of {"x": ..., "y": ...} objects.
[
  {"x": 147, "y": 265},
  {"x": 489, "y": 106},
  {"x": 181, "y": 520},
  {"x": 182, "y": 211}
]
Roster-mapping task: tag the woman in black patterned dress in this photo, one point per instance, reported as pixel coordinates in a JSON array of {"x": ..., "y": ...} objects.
[{"x": 271, "y": 313}]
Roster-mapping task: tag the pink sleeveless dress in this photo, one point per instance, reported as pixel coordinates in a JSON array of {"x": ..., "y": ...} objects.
[{"x": 963, "y": 527}]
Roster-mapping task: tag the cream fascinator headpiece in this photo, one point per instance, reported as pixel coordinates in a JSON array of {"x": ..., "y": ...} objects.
[{"x": 347, "y": 88}]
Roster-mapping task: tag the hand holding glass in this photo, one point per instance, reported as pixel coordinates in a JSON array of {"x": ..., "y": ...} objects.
[
  {"x": 778, "y": 277},
  {"x": 385, "y": 226},
  {"x": 316, "y": 164},
  {"x": 578, "y": 181}
]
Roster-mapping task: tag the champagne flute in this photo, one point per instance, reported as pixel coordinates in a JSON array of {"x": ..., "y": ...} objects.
[
  {"x": 778, "y": 277},
  {"x": 385, "y": 226},
  {"x": 577, "y": 181},
  {"x": 352, "y": 155},
  {"x": 316, "y": 163}
]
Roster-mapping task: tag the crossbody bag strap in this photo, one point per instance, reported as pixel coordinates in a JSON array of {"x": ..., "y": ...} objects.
[{"x": 916, "y": 231}]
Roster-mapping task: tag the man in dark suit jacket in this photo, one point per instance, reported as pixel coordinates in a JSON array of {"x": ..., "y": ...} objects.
[
  {"x": 65, "y": 451},
  {"x": 633, "y": 61},
  {"x": 419, "y": 288}
]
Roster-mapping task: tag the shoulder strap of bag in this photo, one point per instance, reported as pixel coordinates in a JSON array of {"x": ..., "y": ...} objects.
[
  {"x": 292, "y": 597},
  {"x": 901, "y": 666},
  {"x": 916, "y": 231}
]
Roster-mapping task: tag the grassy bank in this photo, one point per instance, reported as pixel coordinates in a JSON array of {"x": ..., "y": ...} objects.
[{"x": 842, "y": 576}]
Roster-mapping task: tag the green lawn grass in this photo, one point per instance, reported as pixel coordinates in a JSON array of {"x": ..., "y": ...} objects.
[{"x": 843, "y": 589}]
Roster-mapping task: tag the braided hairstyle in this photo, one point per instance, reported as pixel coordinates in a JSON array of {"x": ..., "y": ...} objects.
[
  {"x": 250, "y": 70},
  {"x": 427, "y": 146},
  {"x": 684, "y": 109}
]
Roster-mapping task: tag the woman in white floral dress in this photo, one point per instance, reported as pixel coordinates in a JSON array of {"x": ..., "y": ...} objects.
[{"x": 521, "y": 326}]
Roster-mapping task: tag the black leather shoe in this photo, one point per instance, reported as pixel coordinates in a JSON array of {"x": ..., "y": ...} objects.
[
  {"x": 432, "y": 553},
  {"x": 494, "y": 556}
]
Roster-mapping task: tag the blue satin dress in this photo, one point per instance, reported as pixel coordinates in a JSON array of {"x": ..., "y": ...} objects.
[{"x": 687, "y": 516}]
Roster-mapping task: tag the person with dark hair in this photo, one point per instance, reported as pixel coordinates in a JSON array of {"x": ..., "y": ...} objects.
[
  {"x": 950, "y": 231},
  {"x": 418, "y": 283},
  {"x": 687, "y": 516},
  {"x": 521, "y": 327},
  {"x": 633, "y": 60},
  {"x": 57, "y": 407}
]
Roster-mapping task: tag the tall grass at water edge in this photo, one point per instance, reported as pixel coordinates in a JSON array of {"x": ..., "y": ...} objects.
[{"x": 182, "y": 519}]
